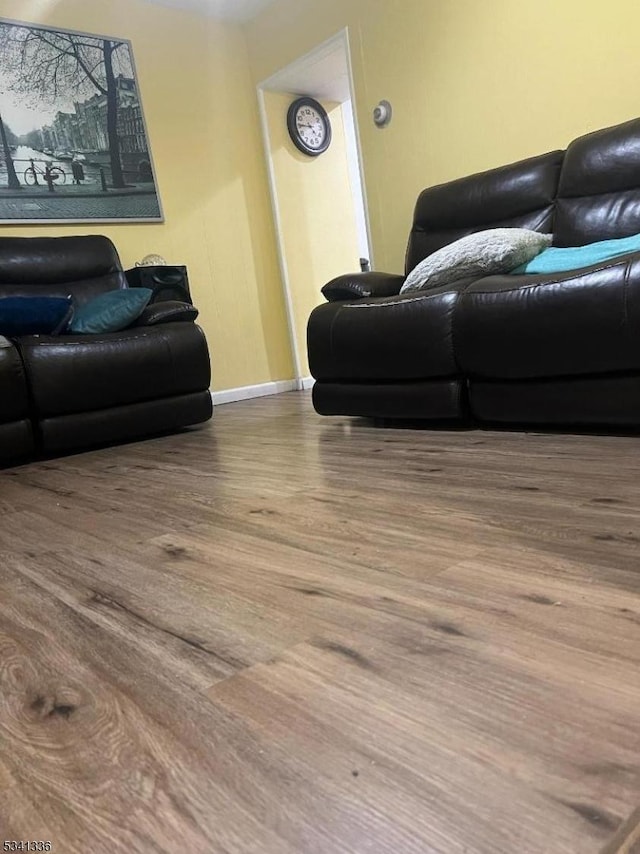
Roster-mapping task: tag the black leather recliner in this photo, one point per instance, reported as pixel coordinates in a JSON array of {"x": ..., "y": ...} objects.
[
  {"x": 71, "y": 391},
  {"x": 521, "y": 349}
]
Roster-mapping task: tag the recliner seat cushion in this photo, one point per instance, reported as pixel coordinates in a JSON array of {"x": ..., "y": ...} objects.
[
  {"x": 404, "y": 337},
  {"x": 78, "y": 373},
  {"x": 570, "y": 324}
]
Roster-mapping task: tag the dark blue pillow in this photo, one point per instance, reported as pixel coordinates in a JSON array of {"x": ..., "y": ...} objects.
[
  {"x": 111, "y": 311},
  {"x": 34, "y": 315}
]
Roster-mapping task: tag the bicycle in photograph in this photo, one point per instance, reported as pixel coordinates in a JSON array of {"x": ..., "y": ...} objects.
[{"x": 49, "y": 175}]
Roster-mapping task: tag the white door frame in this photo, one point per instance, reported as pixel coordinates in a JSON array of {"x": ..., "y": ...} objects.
[{"x": 271, "y": 83}]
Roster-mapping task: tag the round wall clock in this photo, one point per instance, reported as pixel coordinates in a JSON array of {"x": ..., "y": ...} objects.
[{"x": 309, "y": 126}]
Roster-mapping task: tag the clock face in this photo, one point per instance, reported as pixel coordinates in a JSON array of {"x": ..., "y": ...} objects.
[{"x": 309, "y": 126}]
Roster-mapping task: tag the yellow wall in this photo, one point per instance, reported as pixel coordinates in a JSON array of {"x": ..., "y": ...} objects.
[
  {"x": 320, "y": 239},
  {"x": 473, "y": 84},
  {"x": 202, "y": 119}
]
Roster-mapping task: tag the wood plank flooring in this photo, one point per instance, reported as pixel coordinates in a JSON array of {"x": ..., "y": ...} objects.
[{"x": 282, "y": 634}]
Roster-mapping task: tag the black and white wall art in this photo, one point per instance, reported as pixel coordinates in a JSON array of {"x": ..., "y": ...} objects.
[{"x": 73, "y": 140}]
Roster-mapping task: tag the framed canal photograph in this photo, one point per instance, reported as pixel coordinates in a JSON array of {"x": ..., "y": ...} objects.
[{"x": 73, "y": 140}]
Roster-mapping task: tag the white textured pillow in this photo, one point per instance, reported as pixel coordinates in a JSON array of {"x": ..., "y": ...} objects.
[{"x": 497, "y": 250}]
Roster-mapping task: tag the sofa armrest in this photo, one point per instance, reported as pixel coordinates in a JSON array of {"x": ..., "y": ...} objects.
[
  {"x": 168, "y": 311},
  {"x": 362, "y": 285}
]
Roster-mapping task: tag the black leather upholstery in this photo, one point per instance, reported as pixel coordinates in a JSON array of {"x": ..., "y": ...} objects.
[
  {"x": 405, "y": 337},
  {"x": 599, "y": 192},
  {"x": 361, "y": 285},
  {"x": 16, "y": 434},
  {"x": 82, "y": 267},
  {"x": 520, "y": 195},
  {"x": 125, "y": 422},
  {"x": 16, "y": 441},
  {"x": 14, "y": 400},
  {"x": 72, "y": 391},
  {"x": 579, "y": 322},
  {"x": 602, "y": 401},
  {"x": 168, "y": 311},
  {"x": 437, "y": 400},
  {"x": 559, "y": 349},
  {"x": 78, "y": 373}
]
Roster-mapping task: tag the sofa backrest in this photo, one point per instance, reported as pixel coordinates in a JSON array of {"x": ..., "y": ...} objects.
[
  {"x": 520, "y": 195},
  {"x": 599, "y": 190},
  {"x": 82, "y": 267}
]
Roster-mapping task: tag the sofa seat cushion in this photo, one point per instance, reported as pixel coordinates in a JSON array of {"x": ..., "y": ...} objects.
[
  {"x": 563, "y": 325},
  {"x": 404, "y": 337},
  {"x": 78, "y": 373},
  {"x": 14, "y": 401}
]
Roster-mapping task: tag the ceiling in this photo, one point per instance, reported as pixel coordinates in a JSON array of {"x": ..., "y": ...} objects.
[
  {"x": 324, "y": 75},
  {"x": 237, "y": 11}
]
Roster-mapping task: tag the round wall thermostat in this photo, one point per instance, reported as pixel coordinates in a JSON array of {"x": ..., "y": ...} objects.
[{"x": 382, "y": 114}]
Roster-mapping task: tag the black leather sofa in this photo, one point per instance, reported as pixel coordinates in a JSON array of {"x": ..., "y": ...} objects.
[
  {"x": 561, "y": 349},
  {"x": 59, "y": 393}
]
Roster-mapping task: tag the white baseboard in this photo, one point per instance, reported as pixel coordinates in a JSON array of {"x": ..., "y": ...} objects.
[{"x": 232, "y": 395}]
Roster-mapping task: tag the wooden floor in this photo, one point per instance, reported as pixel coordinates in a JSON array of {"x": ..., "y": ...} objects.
[{"x": 283, "y": 634}]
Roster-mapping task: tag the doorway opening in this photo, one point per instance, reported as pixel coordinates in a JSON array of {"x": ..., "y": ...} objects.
[{"x": 319, "y": 203}]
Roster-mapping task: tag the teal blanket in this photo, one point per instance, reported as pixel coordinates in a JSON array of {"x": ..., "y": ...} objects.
[{"x": 558, "y": 260}]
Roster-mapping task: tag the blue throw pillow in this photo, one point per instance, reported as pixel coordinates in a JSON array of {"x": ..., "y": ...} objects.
[
  {"x": 111, "y": 311},
  {"x": 34, "y": 315}
]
